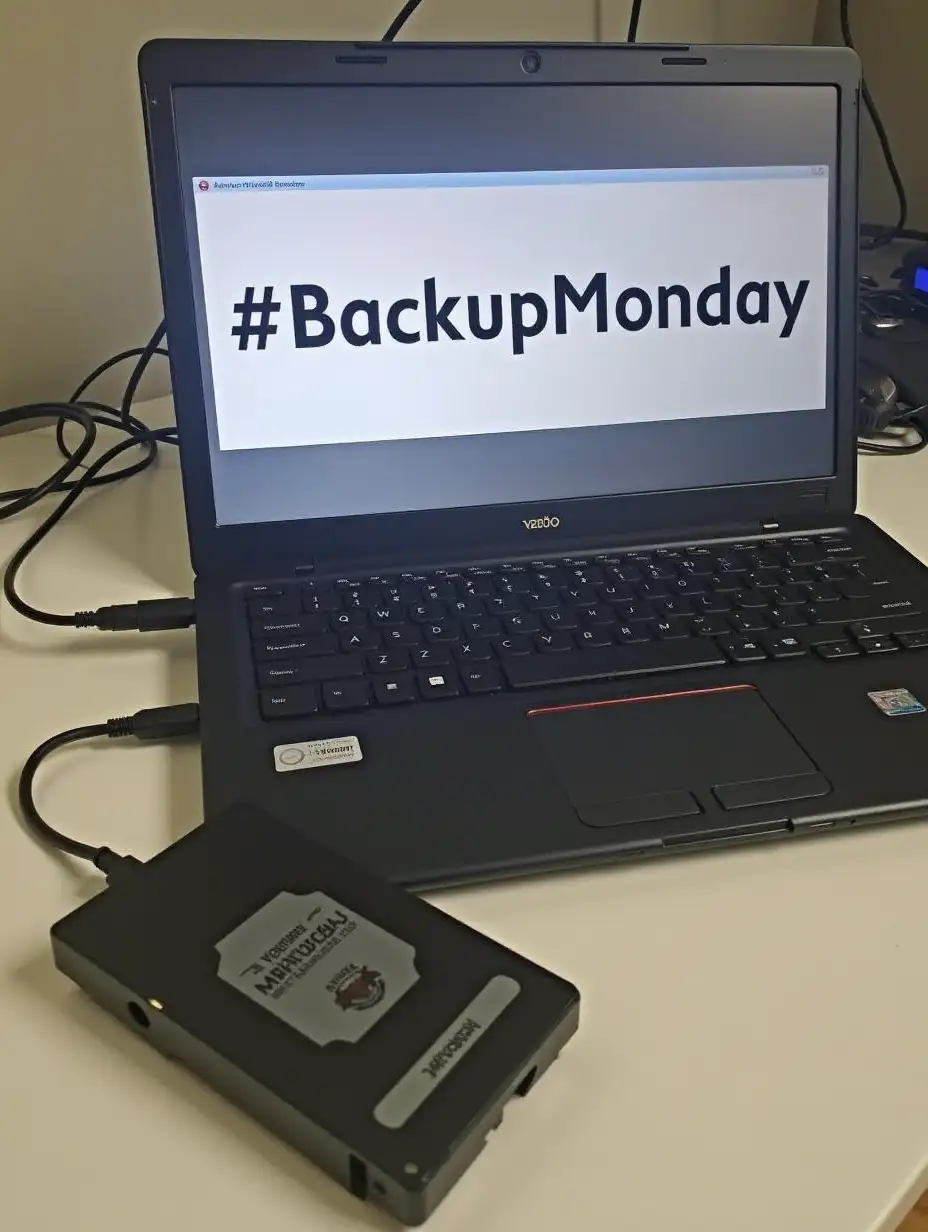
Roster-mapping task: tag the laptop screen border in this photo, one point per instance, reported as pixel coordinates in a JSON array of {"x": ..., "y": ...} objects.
[{"x": 498, "y": 531}]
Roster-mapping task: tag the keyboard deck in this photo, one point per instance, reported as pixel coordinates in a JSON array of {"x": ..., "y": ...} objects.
[{"x": 351, "y": 643}]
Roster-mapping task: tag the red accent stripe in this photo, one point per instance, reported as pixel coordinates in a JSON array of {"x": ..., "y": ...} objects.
[{"x": 645, "y": 697}]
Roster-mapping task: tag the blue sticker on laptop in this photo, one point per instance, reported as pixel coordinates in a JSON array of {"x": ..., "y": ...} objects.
[{"x": 896, "y": 702}]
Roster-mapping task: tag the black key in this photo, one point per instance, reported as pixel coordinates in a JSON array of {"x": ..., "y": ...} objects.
[
  {"x": 346, "y": 695},
  {"x": 388, "y": 614},
  {"x": 787, "y": 596},
  {"x": 402, "y": 635},
  {"x": 542, "y": 598},
  {"x": 276, "y": 675},
  {"x": 514, "y": 583},
  {"x": 915, "y": 640},
  {"x": 856, "y": 588},
  {"x": 626, "y": 573},
  {"x": 431, "y": 656},
  {"x": 848, "y": 611},
  {"x": 653, "y": 590},
  {"x": 725, "y": 582},
  {"x": 782, "y": 646},
  {"x": 553, "y": 643},
  {"x": 285, "y": 606},
  {"x": 394, "y": 690},
  {"x": 362, "y": 596},
  {"x": 635, "y": 611},
  {"x": 711, "y": 626},
  {"x": 823, "y": 592},
  {"x": 441, "y": 631},
  {"x": 477, "y": 586},
  {"x": 699, "y": 562},
  {"x": 673, "y": 606},
  {"x": 289, "y": 703},
  {"x": 321, "y": 601},
  {"x": 743, "y": 650},
  {"x": 750, "y": 599},
  {"x": 467, "y": 609},
  {"x": 611, "y": 662},
  {"x": 843, "y": 551},
  {"x": 688, "y": 586},
  {"x": 505, "y": 605},
  {"x": 767, "y": 558},
  {"x": 270, "y": 629},
  {"x": 617, "y": 592},
  {"x": 564, "y": 618},
  {"x": 597, "y": 635},
  {"x": 427, "y": 613},
  {"x": 631, "y": 631},
  {"x": 658, "y": 569},
  {"x": 672, "y": 627},
  {"x": 831, "y": 572},
  {"x": 597, "y": 614},
  {"x": 837, "y": 650},
  {"x": 748, "y": 622},
  {"x": 341, "y": 621},
  {"x": 488, "y": 626},
  {"x": 804, "y": 553},
  {"x": 798, "y": 575},
  {"x": 262, "y": 590},
  {"x": 438, "y": 683},
  {"x": 877, "y": 645},
  {"x": 577, "y": 595},
  {"x": 710, "y": 604},
  {"x": 586, "y": 575},
  {"x": 360, "y": 639},
  {"x": 284, "y": 648},
  {"x": 332, "y": 667},
  {"x": 525, "y": 622},
  {"x": 788, "y": 617},
  {"x": 482, "y": 679},
  {"x": 474, "y": 650},
  {"x": 518, "y": 644},
  {"x": 388, "y": 662}
]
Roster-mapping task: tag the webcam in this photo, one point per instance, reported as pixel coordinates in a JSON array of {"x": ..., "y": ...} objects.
[{"x": 531, "y": 62}]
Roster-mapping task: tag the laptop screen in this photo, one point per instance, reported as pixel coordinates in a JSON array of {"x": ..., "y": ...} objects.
[{"x": 431, "y": 297}]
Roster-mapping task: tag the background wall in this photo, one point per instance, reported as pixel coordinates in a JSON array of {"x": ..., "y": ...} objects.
[
  {"x": 77, "y": 264},
  {"x": 892, "y": 39}
]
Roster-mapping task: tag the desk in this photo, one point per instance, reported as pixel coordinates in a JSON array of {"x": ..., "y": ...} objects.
[{"x": 753, "y": 1052}]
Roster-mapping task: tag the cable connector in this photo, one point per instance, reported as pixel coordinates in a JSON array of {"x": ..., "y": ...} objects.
[
  {"x": 114, "y": 866},
  {"x": 158, "y": 723},
  {"x": 146, "y": 616}
]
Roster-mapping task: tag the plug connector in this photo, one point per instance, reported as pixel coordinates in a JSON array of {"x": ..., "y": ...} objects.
[{"x": 146, "y": 616}]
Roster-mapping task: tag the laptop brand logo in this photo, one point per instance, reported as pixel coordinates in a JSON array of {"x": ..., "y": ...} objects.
[{"x": 545, "y": 523}]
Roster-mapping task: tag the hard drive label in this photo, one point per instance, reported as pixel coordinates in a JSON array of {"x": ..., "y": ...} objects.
[
  {"x": 437, "y": 1062},
  {"x": 318, "y": 965}
]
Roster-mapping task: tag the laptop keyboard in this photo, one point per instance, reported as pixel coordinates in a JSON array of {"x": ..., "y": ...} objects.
[{"x": 352, "y": 643}]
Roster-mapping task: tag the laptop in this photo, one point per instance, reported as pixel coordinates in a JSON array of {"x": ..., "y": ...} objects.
[{"x": 515, "y": 390}]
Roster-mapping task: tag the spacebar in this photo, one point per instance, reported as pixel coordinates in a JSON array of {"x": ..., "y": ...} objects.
[{"x": 531, "y": 671}]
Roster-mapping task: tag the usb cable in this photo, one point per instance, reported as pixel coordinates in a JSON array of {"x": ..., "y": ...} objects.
[{"x": 159, "y": 723}]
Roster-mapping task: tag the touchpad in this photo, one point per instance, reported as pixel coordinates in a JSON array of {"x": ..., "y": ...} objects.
[{"x": 662, "y": 756}]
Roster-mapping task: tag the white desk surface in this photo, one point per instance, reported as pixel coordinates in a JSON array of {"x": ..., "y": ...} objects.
[{"x": 753, "y": 1051}]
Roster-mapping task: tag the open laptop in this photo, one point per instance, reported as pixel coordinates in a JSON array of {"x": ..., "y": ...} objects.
[{"x": 516, "y": 401}]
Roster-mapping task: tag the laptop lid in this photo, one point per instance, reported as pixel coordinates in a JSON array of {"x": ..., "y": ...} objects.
[{"x": 459, "y": 302}]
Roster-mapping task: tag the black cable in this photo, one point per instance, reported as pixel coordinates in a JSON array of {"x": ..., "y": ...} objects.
[
  {"x": 633, "y": 20},
  {"x": 400, "y": 20},
  {"x": 885, "y": 235},
  {"x": 147, "y": 615},
  {"x": 874, "y": 444},
  {"x": 160, "y": 723}
]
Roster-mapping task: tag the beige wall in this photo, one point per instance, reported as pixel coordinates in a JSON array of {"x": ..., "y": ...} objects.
[
  {"x": 892, "y": 39},
  {"x": 77, "y": 266}
]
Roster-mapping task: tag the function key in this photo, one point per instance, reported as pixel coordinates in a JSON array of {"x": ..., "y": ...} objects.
[
  {"x": 283, "y": 606},
  {"x": 837, "y": 650},
  {"x": 743, "y": 650},
  {"x": 262, "y": 590},
  {"x": 346, "y": 695},
  {"x": 782, "y": 647},
  {"x": 289, "y": 703},
  {"x": 915, "y": 640},
  {"x": 394, "y": 690},
  {"x": 482, "y": 679},
  {"x": 877, "y": 645},
  {"x": 438, "y": 683}
]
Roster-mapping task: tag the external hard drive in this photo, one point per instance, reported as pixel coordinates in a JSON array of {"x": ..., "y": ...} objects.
[{"x": 369, "y": 1029}]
